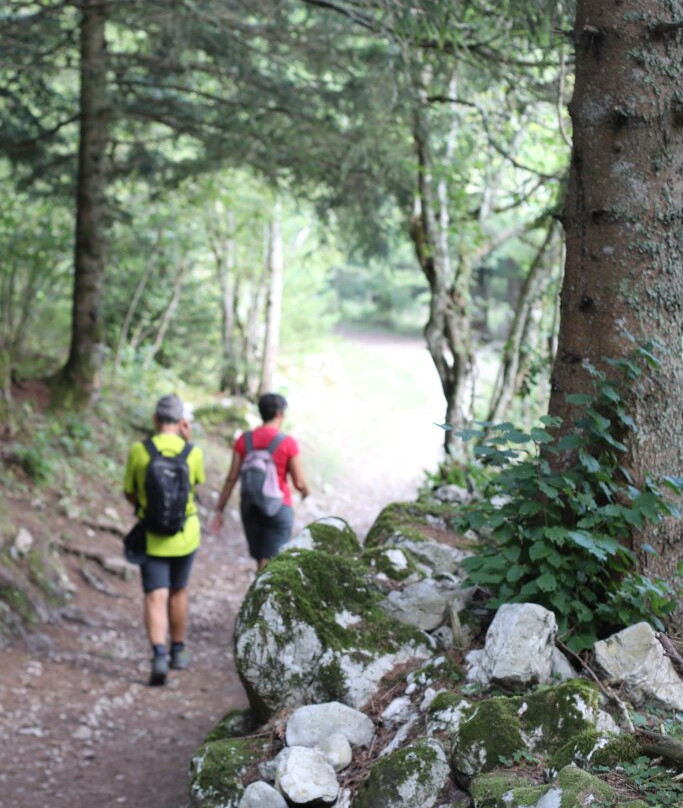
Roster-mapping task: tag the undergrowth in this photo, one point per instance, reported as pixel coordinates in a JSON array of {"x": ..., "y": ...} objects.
[{"x": 559, "y": 514}]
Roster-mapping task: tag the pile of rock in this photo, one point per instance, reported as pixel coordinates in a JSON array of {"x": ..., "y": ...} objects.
[{"x": 327, "y": 620}]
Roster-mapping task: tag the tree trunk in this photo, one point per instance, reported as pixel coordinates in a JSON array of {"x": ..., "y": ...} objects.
[
  {"x": 624, "y": 230},
  {"x": 79, "y": 380},
  {"x": 224, "y": 256},
  {"x": 276, "y": 278},
  {"x": 167, "y": 316},
  {"x": 510, "y": 374},
  {"x": 448, "y": 330}
]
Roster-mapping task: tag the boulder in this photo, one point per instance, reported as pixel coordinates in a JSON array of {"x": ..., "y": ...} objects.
[
  {"x": 635, "y": 658},
  {"x": 331, "y": 534},
  {"x": 311, "y": 629},
  {"x": 398, "y": 711},
  {"x": 423, "y": 604},
  {"x": 217, "y": 769},
  {"x": 303, "y": 776},
  {"x": 412, "y": 777},
  {"x": 542, "y": 722},
  {"x": 445, "y": 712},
  {"x": 572, "y": 788},
  {"x": 519, "y": 647},
  {"x": 336, "y": 750},
  {"x": 262, "y": 795},
  {"x": 311, "y": 724}
]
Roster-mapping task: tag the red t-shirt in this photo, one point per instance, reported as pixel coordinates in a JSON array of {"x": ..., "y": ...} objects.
[{"x": 288, "y": 448}]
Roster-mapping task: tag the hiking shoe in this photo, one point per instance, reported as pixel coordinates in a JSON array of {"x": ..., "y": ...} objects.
[
  {"x": 159, "y": 671},
  {"x": 180, "y": 660}
]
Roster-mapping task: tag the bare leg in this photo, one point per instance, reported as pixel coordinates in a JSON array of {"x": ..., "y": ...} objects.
[
  {"x": 156, "y": 616},
  {"x": 177, "y": 613},
  {"x": 261, "y": 563}
]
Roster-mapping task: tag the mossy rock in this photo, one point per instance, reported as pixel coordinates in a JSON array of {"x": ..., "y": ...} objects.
[
  {"x": 234, "y": 724},
  {"x": 396, "y": 563},
  {"x": 409, "y": 519},
  {"x": 597, "y": 749},
  {"x": 573, "y": 788},
  {"x": 331, "y": 534},
  {"x": 217, "y": 770},
  {"x": 412, "y": 777},
  {"x": 542, "y": 722},
  {"x": 311, "y": 629}
]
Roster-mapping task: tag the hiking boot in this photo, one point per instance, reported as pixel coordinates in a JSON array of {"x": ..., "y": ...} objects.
[
  {"x": 159, "y": 671},
  {"x": 180, "y": 660}
]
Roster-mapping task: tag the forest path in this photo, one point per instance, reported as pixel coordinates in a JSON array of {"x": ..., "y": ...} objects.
[{"x": 79, "y": 728}]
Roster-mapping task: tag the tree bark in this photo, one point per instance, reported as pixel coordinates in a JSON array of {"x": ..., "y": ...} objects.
[
  {"x": 448, "y": 330},
  {"x": 223, "y": 249},
  {"x": 510, "y": 374},
  {"x": 276, "y": 279},
  {"x": 79, "y": 380},
  {"x": 624, "y": 234}
]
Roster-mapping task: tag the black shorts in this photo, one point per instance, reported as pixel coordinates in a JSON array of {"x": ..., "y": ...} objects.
[
  {"x": 166, "y": 572},
  {"x": 266, "y": 535}
]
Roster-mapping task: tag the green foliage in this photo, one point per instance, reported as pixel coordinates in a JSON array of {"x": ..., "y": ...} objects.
[
  {"x": 559, "y": 515},
  {"x": 652, "y": 780}
]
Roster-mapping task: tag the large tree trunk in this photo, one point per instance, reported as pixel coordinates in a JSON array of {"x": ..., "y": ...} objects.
[
  {"x": 79, "y": 379},
  {"x": 624, "y": 229},
  {"x": 276, "y": 279}
]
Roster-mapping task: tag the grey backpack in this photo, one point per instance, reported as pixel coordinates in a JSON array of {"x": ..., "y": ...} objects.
[{"x": 258, "y": 476}]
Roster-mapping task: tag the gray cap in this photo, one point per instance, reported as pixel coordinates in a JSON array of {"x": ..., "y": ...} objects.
[{"x": 170, "y": 408}]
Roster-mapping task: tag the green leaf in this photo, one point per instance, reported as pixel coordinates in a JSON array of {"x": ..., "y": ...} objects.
[
  {"x": 556, "y": 534},
  {"x": 516, "y": 573},
  {"x": 540, "y": 436},
  {"x": 673, "y": 483},
  {"x": 648, "y": 504},
  {"x": 447, "y": 427},
  {"x": 588, "y": 461},
  {"x": 547, "y": 582},
  {"x": 529, "y": 508},
  {"x": 579, "y": 398},
  {"x": 539, "y": 550},
  {"x": 648, "y": 548},
  {"x": 585, "y": 540}
]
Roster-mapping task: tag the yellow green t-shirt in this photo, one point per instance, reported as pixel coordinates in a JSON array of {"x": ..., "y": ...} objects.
[{"x": 187, "y": 540}]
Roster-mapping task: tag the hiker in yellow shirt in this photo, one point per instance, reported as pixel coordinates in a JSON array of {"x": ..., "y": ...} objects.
[{"x": 165, "y": 571}]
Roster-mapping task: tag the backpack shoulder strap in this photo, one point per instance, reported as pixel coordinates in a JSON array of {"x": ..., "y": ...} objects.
[
  {"x": 277, "y": 440},
  {"x": 248, "y": 442},
  {"x": 151, "y": 447},
  {"x": 187, "y": 448}
]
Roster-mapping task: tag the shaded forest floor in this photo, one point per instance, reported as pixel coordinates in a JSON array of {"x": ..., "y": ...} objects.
[{"x": 78, "y": 725}]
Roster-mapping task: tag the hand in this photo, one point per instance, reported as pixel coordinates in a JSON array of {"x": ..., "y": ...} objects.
[{"x": 216, "y": 523}]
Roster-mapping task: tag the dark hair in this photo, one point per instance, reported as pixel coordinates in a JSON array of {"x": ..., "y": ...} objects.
[{"x": 270, "y": 405}]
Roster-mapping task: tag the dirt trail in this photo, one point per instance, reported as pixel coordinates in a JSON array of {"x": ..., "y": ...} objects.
[{"x": 79, "y": 728}]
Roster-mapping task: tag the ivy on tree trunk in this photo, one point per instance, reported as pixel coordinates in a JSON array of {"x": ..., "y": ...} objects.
[{"x": 624, "y": 231}]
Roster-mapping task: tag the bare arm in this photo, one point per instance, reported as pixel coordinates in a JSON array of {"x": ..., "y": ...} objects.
[
  {"x": 297, "y": 474},
  {"x": 228, "y": 485}
]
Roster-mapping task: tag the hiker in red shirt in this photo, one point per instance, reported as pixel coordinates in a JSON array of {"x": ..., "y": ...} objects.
[{"x": 266, "y": 534}]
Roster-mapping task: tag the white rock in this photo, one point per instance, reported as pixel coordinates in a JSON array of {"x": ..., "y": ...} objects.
[
  {"x": 551, "y": 799},
  {"x": 447, "y": 720},
  {"x": 561, "y": 667},
  {"x": 453, "y": 493},
  {"x": 436, "y": 556},
  {"x": 344, "y": 799},
  {"x": 337, "y": 750},
  {"x": 304, "y": 776},
  {"x": 635, "y": 657},
  {"x": 262, "y": 795},
  {"x": 423, "y": 604},
  {"x": 313, "y": 723},
  {"x": 398, "y": 711},
  {"x": 519, "y": 646},
  {"x": 428, "y": 697},
  {"x": 22, "y": 543}
]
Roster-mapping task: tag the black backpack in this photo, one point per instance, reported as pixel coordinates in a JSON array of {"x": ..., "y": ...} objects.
[{"x": 167, "y": 485}]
